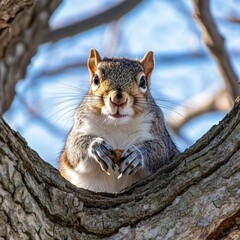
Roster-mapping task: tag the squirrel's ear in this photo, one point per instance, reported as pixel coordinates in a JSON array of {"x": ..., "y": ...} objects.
[
  {"x": 148, "y": 63},
  {"x": 93, "y": 60}
]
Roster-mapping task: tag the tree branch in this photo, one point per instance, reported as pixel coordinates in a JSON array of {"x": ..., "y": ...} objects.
[
  {"x": 166, "y": 203},
  {"x": 204, "y": 102},
  {"x": 215, "y": 44},
  {"x": 9, "y": 10},
  {"x": 233, "y": 19},
  {"x": 107, "y": 16},
  {"x": 162, "y": 59},
  {"x": 25, "y": 22}
]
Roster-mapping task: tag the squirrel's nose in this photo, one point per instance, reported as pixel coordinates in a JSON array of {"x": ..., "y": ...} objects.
[
  {"x": 118, "y": 93},
  {"x": 117, "y": 100}
]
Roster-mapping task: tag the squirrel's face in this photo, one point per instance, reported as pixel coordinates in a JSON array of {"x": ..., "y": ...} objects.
[{"x": 119, "y": 87}]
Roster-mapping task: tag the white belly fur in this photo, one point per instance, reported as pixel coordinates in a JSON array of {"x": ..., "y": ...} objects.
[
  {"x": 119, "y": 136},
  {"x": 101, "y": 181}
]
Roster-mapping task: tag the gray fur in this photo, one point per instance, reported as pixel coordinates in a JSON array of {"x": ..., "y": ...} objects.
[
  {"x": 120, "y": 72},
  {"x": 83, "y": 149}
]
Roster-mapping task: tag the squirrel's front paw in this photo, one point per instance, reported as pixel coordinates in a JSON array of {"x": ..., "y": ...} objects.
[
  {"x": 103, "y": 153},
  {"x": 132, "y": 161}
]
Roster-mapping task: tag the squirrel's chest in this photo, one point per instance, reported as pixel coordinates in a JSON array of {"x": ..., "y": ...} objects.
[{"x": 121, "y": 136}]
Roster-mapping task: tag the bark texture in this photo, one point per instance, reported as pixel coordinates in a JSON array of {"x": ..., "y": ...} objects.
[
  {"x": 22, "y": 24},
  {"x": 196, "y": 197}
]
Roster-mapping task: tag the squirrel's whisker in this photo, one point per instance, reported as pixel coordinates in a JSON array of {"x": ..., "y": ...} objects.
[{"x": 125, "y": 119}]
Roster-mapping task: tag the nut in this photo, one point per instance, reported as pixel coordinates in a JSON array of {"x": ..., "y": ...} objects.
[{"x": 118, "y": 156}]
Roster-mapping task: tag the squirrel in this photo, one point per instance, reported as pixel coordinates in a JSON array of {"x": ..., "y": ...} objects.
[{"x": 118, "y": 112}]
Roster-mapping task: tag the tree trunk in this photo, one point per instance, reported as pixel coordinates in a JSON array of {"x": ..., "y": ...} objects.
[
  {"x": 195, "y": 197},
  {"x": 22, "y": 25}
]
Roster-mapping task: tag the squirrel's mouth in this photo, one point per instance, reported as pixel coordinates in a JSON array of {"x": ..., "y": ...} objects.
[{"x": 118, "y": 115}]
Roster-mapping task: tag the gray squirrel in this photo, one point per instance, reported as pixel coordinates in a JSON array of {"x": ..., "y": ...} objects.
[{"x": 119, "y": 134}]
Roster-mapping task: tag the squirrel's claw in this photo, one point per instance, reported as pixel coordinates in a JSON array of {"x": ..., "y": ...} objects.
[
  {"x": 132, "y": 161},
  {"x": 103, "y": 153}
]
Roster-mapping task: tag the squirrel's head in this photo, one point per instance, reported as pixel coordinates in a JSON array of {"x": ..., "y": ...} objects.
[{"x": 119, "y": 87}]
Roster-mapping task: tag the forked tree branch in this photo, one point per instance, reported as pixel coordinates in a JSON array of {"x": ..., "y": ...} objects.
[
  {"x": 215, "y": 44},
  {"x": 208, "y": 101},
  {"x": 37, "y": 203}
]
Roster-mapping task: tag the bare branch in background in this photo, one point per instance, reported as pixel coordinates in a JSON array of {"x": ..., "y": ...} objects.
[
  {"x": 107, "y": 16},
  {"x": 215, "y": 44},
  {"x": 208, "y": 101},
  {"x": 34, "y": 113},
  {"x": 233, "y": 19},
  {"x": 161, "y": 59},
  {"x": 205, "y": 102}
]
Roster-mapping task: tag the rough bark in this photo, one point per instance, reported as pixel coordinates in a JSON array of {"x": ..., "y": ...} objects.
[
  {"x": 196, "y": 197},
  {"x": 22, "y": 24}
]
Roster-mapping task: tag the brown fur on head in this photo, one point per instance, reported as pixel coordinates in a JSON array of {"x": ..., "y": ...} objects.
[{"x": 120, "y": 86}]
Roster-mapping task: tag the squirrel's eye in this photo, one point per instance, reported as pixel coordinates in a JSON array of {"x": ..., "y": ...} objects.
[
  {"x": 96, "y": 80},
  {"x": 143, "y": 82}
]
